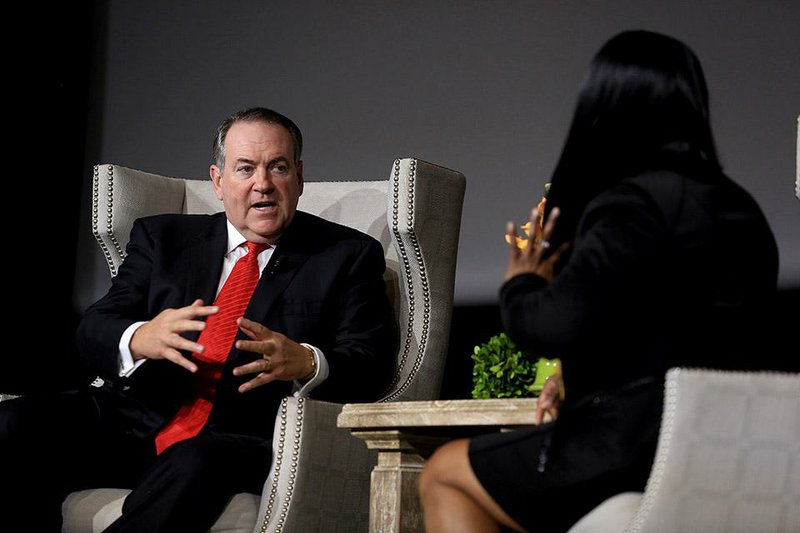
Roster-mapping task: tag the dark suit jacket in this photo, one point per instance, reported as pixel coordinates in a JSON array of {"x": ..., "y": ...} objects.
[
  {"x": 667, "y": 269},
  {"x": 323, "y": 285}
]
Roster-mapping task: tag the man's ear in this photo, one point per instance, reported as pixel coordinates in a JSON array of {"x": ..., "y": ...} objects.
[
  {"x": 300, "y": 179},
  {"x": 216, "y": 179}
]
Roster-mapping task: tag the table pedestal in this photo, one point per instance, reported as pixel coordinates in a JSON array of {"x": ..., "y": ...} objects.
[{"x": 407, "y": 433}]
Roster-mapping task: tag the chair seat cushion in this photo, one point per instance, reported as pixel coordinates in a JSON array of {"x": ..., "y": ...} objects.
[
  {"x": 93, "y": 510},
  {"x": 611, "y": 516}
]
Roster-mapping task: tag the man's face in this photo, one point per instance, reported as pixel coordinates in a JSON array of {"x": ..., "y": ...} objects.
[{"x": 261, "y": 183}]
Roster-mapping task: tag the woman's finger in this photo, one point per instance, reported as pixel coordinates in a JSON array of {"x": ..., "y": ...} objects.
[
  {"x": 550, "y": 224},
  {"x": 511, "y": 235}
]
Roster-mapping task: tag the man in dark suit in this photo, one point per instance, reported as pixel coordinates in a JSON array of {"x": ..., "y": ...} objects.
[{"x": 320, "y": 284}]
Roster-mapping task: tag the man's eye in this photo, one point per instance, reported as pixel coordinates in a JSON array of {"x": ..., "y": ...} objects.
[
  {"x": 280, "y": 169},
  {"x": 244, "y": 169}
]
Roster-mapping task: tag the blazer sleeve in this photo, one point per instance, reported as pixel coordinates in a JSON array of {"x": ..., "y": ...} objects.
[
  {"x": 614, "y": 256},
  {"x": 104, "y": 322},
  {"x": 364, "y": 339}
]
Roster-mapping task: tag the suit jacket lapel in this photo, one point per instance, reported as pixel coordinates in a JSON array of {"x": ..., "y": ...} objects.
[
  {"x": 289, "y": 256},
  {"x": 205, "y": 263}
]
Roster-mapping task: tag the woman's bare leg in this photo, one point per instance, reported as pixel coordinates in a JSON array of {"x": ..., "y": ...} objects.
[{"x": 453, "y": 500}]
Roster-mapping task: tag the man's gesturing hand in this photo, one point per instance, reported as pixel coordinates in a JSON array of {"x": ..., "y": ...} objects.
[
  {"x": 160, "y": 338},
  {"x": 281, "y": 357}
]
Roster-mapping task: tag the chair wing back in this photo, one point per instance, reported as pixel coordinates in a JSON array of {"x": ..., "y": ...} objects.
[
  {"x": 120, "y": 195},
  {"x": 415, "y": 215},
  {"x": 728, "y": 457},
  {"x": 424, "y": 217}
]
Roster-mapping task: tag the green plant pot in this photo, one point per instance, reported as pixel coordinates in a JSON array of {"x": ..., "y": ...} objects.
[{"x": 544, "y": 369}]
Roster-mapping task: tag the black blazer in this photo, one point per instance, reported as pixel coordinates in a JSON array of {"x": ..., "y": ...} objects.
[
  {"x": 666, "y": 270},
  {"x": 323, "y": 285}
]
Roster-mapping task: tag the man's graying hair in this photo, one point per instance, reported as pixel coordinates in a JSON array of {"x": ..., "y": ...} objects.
[{"x": 256, "y": 114}]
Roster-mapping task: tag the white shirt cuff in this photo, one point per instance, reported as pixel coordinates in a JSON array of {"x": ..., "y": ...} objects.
[
  {"x": 302, "y": 390},
  {"x": 126, "y": 363}
]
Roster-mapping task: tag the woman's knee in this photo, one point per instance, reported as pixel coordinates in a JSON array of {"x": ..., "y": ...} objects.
[{"x": 445, "y": 466}]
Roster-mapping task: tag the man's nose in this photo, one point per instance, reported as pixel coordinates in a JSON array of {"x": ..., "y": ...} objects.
[{"x": 263, "y": 180}]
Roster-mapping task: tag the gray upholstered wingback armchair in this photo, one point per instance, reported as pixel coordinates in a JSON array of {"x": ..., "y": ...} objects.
[
  {"x": 319, "y": 478},
  {"x": 728, "y": 459}
]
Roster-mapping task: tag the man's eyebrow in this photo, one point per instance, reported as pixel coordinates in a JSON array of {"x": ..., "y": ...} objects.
[{"x": 279, "y": 159}]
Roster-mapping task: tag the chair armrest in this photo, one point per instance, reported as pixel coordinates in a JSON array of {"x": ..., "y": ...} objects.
[
  {"x": 120, "y": 195},
  {"x": 331, "y": 466}
]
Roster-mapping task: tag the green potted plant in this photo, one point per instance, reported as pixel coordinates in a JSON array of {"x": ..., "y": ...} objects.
[{"x": 501, "y": 370}]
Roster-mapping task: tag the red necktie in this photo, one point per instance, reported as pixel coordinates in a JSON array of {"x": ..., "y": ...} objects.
[{"x": 217, "y": 339}]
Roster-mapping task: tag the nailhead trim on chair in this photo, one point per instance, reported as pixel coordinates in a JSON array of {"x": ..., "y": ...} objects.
[
  {"x": 654, "y": 480},
  {"x": 109, "y": 222},
  {"x": 409, "y": 280},
  {"x": 279, "y": 455},
  {"x": 95, "y": 216},
  {"x": 797, "y": 176}
]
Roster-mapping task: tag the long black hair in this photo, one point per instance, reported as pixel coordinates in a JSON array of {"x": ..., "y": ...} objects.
[{"x": 643, "y": 106}]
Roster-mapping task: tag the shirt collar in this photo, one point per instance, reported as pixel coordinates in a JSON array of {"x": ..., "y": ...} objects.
[{"x": 235, "y": 239}]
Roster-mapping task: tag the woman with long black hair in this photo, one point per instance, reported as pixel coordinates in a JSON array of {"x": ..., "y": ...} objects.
[{"x": 650, "y": 258}]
